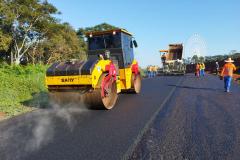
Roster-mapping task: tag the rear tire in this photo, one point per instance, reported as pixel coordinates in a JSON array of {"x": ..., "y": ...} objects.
[{"x": 136, "y": 83}]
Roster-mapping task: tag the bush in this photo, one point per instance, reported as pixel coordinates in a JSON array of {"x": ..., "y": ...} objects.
[
  {"x": 18, "y": 84},
  {"x": 142, "y": 72},
  {"x": 238, "y": 70}
]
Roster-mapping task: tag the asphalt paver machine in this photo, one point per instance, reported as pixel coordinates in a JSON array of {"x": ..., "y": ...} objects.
[{"x": 172, "y": 60}]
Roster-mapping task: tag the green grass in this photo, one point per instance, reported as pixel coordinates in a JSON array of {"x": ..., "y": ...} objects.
[
  {"x": 19, "y": 86},
  {"x": 142, "y": 72}
]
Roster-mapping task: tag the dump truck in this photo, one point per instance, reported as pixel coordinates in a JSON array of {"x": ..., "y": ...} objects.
[
  {"x": 172, "y": 61},
  {"x": 110, "y": 69}
]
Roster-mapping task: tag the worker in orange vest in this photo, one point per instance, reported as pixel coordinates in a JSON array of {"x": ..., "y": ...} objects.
[
  {"x": 155, "y": 68},
  {"x": 150, "y": 71},
  {"x": 227, "y": 73},
  {"x": 197, "y": 70}
]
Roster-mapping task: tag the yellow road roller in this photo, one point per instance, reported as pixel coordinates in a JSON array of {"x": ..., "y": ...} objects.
[{"x": 110, "y": 69}]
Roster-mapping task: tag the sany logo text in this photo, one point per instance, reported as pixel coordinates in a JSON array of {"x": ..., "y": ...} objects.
[{"x": 67, "y": 79}]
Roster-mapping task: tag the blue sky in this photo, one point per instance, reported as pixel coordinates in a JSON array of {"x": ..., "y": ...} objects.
[{"x": 156, "y": 23}]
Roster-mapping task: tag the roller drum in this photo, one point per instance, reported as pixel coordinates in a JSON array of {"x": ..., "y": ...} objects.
[{"x": 92, "y": 98}]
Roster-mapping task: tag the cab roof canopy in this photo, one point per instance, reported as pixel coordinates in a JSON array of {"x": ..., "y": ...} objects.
[
  {"x": 96, "y": 33},
  {"x": 164, "y": 50},
  {"x": 176, "y": 44}
]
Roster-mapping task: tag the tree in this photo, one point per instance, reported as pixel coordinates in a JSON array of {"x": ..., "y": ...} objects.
[
  {"x": 236, "y": 55},
  {"x": 232, "y": 52},
  {"x": 201, "y": 59},
  {"x": 27, "y": 21},
  {"x": 195, "y": 59},
  {"x": 101, "y": 27},
  {"x": 28, "y": 30},
  {"x": 5, "y": 40},
  {"x": 61, "y": 43},
  {"x": 5, "y": 37}
]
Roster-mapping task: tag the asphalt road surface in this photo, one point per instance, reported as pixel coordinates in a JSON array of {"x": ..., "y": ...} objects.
[
  {"x": 76, "y": 133},
  {"x": 172, "y": 118},
  {"x": 199, "y": 122}
]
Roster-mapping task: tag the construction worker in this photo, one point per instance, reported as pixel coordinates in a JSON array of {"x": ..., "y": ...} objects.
[
  {"x": 202, "y": 69},
  {"x": 164, "y": 57},
  {"x": 227, "y": 73},
  {"x": 197, "y": 69},
  {"x": 100, "y": 57},
  {"x": 154, "y": 71},
  {"x": 217, "y": 68},
  {"x": 150, "y": 69}
]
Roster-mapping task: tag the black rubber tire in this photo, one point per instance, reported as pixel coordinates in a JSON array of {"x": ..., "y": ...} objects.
[{"x": 136, "y": 83}]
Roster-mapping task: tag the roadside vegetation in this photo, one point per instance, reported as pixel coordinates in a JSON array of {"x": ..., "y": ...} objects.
[
  {"x": 31, "y": 38},
  {"x": 19, "y": 85}
]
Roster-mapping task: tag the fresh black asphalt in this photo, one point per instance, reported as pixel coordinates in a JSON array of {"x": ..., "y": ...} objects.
[
  {"x": 199, "y": 122},
  {"x": 76, "y": 133},
  {"x": 178, "y": 117}
]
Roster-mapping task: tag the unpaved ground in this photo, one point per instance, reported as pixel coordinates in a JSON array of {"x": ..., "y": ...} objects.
[
  {"x": 2, "y": 116},
  {"x": 200, "y": 122}
]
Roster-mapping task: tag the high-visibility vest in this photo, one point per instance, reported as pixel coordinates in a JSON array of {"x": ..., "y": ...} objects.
[
  {"x": 197, "y": 67},
  {"x": 228, "y": 69},
  {"x": 154, "y": 68},
  {"x": 150, "y": 68}
]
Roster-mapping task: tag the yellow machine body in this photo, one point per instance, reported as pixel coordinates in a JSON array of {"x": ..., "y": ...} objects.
[
  {"x": 126, "y": 77},
  {"x": 91, "y": 80},
  {"x": 123, "y": 79}
]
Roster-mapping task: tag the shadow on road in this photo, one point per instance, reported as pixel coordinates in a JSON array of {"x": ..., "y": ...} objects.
[
  {"x": 197, "y": 88},
  {"x": 38, "y": 100}
]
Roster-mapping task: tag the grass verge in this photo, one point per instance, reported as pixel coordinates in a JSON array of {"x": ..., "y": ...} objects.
[{"x": 19, "y": 86}]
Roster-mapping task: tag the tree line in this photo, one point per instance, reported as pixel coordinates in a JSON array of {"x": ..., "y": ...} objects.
[
  {"x": 29, "y": 32},
  {"x": 234, "y": 54}
]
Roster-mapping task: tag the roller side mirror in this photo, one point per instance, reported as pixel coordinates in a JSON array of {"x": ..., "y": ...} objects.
[{"x": 135, "y": 43}]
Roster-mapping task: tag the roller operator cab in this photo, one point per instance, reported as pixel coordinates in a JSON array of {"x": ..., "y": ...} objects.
[{"x": 109, "y": 70}]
